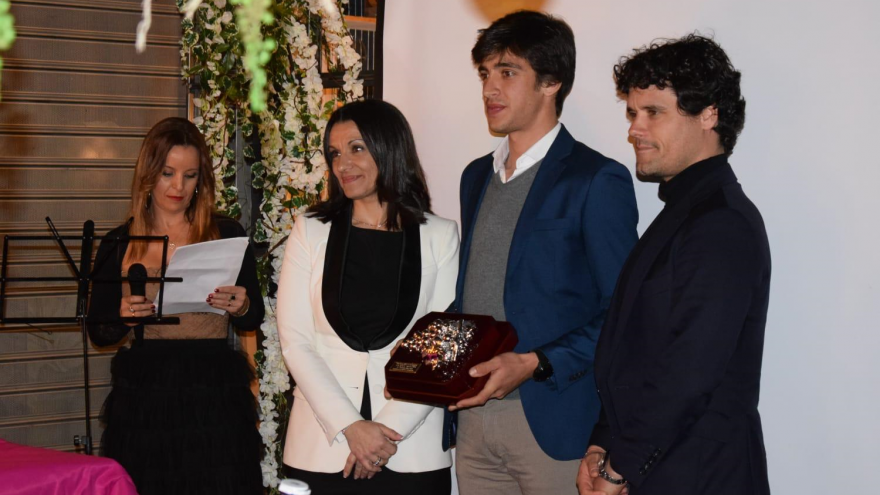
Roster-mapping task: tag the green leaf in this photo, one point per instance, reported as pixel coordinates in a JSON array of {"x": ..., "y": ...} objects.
[{"x": 235, "y": 210}]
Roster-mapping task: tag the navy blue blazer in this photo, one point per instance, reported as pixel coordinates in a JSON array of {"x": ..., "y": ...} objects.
[
  {"x": 678, "y": 365},
  {"x": 576, "y": 228}
]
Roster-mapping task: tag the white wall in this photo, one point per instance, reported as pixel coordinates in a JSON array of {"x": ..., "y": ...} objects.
[{"x": 808, "y": 158}]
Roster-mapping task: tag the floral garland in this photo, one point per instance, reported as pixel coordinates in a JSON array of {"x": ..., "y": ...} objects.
[
  {"x": 7, "y": 28},
  {"x": 292, "y": 170}
]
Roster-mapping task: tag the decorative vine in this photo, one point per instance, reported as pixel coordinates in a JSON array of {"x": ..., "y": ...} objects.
[{"x": 275, "y": 45}]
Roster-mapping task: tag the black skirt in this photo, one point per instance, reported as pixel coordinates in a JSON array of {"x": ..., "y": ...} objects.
[
  {"x": 385, "y": 482},
  {"x": 181, "y": 418}
]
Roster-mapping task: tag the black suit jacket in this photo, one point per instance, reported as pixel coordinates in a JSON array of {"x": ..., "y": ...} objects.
[{"x": 678, "y": 363}]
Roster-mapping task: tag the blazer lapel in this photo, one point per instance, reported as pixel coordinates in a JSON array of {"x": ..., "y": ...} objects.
[
  {"x": 551, "y": 167},
  {"x": 331, "y": 285},
  {"x": 655, "y": 238},
  {"x": 658, "y": 235}
]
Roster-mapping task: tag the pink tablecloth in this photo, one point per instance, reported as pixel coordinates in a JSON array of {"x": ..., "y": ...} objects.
[{"x": 33, "y": 471}]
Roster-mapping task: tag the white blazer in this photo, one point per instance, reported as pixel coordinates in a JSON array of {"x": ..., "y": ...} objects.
[{"x": 329, "y": 375}]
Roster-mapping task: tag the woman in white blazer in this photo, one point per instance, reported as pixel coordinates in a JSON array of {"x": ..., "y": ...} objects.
[{"x": 358, "y": 271}]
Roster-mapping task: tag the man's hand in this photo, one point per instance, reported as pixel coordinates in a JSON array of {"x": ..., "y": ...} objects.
[
  {"x": 371, "y": 444},
  {"x": 588, "y": 480},
  {"x": 508, "y": 371},
  {"x": 589, "y": 471}
]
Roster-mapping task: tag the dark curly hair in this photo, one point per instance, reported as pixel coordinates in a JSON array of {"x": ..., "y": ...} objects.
[
  {"x": 698, "y": 71},
  {"x": 546, "y": 42},
  {"x": 401, "y": 182}
]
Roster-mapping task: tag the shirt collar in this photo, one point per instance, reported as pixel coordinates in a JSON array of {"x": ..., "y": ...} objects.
[
  {"x": 532, "y": 156},
  {"x": 682, "y": 184}
]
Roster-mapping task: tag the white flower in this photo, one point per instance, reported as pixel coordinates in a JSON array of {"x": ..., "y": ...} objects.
[{"x": 297, "y": 98}]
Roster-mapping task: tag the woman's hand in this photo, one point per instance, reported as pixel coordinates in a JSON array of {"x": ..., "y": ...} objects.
[
  {"x": 371, "y": 444},
  {"x": 230, "y": 298},
  {"x": 136, "y": 306},
  {"x": 360, "y": 472}
]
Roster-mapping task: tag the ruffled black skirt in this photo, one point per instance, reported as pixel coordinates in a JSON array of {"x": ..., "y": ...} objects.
[{"x": 181, "y": 418}]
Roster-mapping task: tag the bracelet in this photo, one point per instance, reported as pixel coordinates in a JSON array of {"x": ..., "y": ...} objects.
[
  {"x": 244, "y": 310},
  {"x": 604, "y": 474}
]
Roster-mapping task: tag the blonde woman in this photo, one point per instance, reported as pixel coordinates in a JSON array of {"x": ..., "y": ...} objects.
[{"x": 180, "y": 417}]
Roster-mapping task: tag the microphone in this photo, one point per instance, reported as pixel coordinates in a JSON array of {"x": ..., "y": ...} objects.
[{"x": 137, "y": 279}]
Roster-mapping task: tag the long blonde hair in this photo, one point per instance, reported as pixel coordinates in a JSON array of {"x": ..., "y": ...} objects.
[{"x": 168, "y": 133}]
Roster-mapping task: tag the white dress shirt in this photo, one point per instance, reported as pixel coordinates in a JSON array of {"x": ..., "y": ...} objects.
[{"x": 532, "y": 156}]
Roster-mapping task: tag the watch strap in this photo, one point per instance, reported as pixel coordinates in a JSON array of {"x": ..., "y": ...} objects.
[{"x": 604, "y": 474}]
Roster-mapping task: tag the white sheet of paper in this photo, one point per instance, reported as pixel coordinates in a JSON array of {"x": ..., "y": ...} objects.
[{"x": 203, "y": 267}]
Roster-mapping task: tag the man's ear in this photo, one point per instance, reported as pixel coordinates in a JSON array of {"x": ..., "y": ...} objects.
[
  {"x": 709, "y": 118},
  {"x": 551, "y": 88}
]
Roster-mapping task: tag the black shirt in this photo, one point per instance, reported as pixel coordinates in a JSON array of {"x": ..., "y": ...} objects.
[{"x": 370, "y": 281}]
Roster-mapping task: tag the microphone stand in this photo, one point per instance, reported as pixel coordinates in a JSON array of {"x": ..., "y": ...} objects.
[{"x": 83, "y": 276}]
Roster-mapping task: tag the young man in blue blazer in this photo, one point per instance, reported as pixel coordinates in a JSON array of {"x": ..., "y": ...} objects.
[{"x": 547, "y": 223}]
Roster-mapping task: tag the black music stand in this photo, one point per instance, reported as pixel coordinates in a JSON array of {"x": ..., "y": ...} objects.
[{"x": 83, "y": 277}]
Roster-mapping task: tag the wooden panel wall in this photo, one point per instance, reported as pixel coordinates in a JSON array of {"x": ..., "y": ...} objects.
[{"x": 76, "y": 102}]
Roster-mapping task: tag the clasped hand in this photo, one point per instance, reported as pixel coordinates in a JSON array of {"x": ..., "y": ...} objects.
[
  {"x": 371, "y": 444},
  {"x": 588, "y": 480}
]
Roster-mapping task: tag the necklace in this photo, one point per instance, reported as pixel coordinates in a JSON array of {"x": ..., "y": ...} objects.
[
  {"x": 355, "y": 221},
  {"x": 172, "y": 245}
]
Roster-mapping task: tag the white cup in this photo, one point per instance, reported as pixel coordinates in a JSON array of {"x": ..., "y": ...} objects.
[{"x": 294, "y": 487}]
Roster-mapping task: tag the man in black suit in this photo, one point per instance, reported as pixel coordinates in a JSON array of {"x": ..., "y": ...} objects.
[{"x": 678, "y": 363}]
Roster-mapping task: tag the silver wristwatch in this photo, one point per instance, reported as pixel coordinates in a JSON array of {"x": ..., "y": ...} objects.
[{"x": 604, "y": 474}]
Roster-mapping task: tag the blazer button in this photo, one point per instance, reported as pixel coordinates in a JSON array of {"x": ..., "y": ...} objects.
[{"x": 642, "y": 471}]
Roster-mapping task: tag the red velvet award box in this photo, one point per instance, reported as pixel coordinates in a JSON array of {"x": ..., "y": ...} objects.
[{"x": 431, "y": 365}]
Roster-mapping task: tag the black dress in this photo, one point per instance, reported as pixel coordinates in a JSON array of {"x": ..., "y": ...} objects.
[
  {"x": 369, "y": 301},
  {"x": 180, "y": 417}
]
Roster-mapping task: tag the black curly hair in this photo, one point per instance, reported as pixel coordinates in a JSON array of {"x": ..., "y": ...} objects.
[{"x": 698, "y": 71}]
